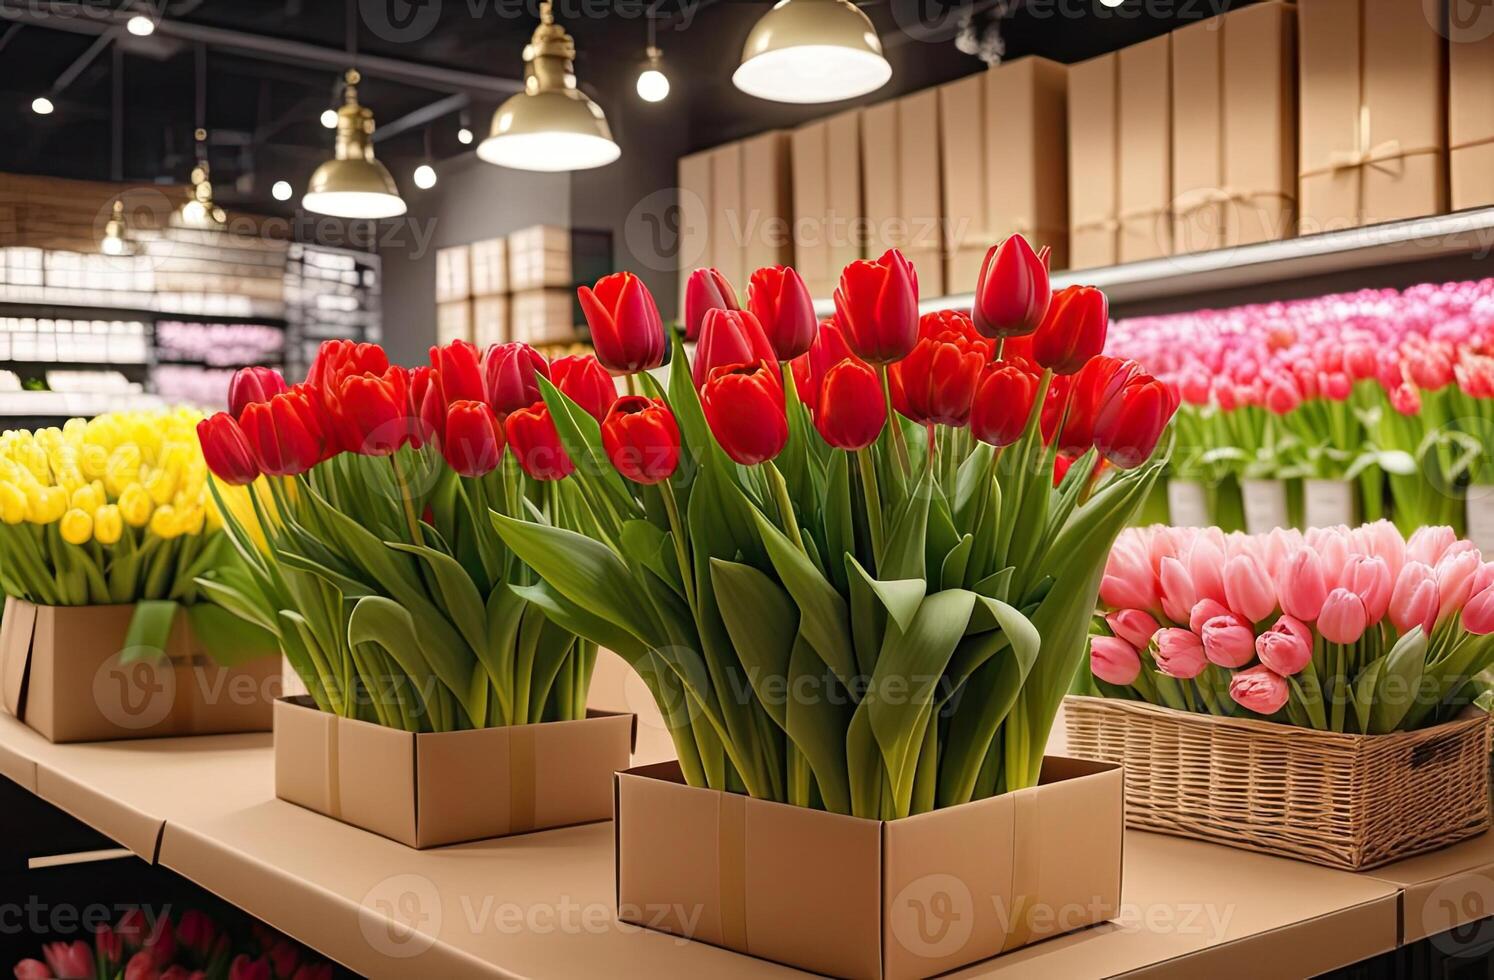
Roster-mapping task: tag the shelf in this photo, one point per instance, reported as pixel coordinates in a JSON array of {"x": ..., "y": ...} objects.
[
  {"x": 74, "y": 311},
  {"x": 34, "y": 365},
  {"x": 1441, "y": 236}
]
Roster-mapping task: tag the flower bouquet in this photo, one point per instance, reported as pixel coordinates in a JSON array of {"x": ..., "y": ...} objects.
[
  {"x": 106, "y": 532},
  {"x": 372, "y": 558},
  {"x": 836, "y": 553},
  {"x": 1356, "y": 651}
]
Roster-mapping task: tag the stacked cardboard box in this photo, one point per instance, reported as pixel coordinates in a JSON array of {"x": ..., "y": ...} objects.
[
  {"x": 543, "y": 317},
  {"x": 735, "y": 208},
  {"x": 829, "y": 229},
  {"x": 453, "y": 294},
  {"x": 545, "y": 264},
  {"x": 1470, "y": 125},
  {"x": 1094, "y": 149},
  {"x": 904, "y": 199},
  {"x": 1144, "y": 74}
]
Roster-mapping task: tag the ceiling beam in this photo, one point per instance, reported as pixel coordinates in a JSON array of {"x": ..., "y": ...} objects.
[{"x": 423, "y": 116}]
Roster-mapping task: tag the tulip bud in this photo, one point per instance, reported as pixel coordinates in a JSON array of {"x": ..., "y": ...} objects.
[
  {"x": 1248, "y": 589},
  {"x": 536, "y": 443},
  {"x": 473, "y": 442},
  {"x": 1135, "y": 626},
  {"x": 1228, "y": 641},
  {"x": 1002, "y": 404},
  {"x": 510, "y": 375},
  {"x": 1179, "y": 653},
  {"x": 935, "y": 384},
  {"x": 626, "y": 329},
  {"x": 1286, "y": 647},
  {"x": 582, "y": 379},
  {"x": 706, "y": 290},
  {"x": 852, "y": 409},
  {"x": 76, "y": 526},
  {"x": 1478, "y": 614},
  {"x": 252, "y": 384},
  {"x": 1259, "y": 689},
  {"x": 1343, "y": 618},
  {"x": 1113, "y": 660},
  {"x": 876, "y": 304},
  {"x": 1131, "y": 421},
  {"x": 730, "y": 337},
  {"x": 286, "y": 433},
  {"x": 459, "y": 366},
  {"x": 1369, "y": 578},
  {"x": 1303, "y": 587},
  {"x": 369, "y": 413},
  {"x": 1012, "y": 293},
  {"x": 1203, "y": 611},
  {"x": 642, "y": 439},
  {"x": 744, "y": 407},
  {"x": 338, "y": 359},
  {"x": 226, "y": 451},
  {"x": 777, "y": 296},
  {"x": 1073, "y": 330}
]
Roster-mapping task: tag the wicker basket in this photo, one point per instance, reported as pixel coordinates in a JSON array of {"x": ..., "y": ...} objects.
[{"x": 1347, "y": 801}]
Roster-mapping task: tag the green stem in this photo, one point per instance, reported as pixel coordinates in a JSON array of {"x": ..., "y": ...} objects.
[
  {"x": 407, "y": 499},
  {"x": 899, "y": 441},
  {"x": 681, "y": 546},
  {"x": 785, "y": 505},
  {"x": 873, "y": 502}
]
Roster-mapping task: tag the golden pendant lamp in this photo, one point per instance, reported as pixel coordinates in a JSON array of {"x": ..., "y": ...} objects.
[
  {"x": 812, "y": 51},
  {"x": 353, "y": 184},
  {"x": 551, "y": 125}
]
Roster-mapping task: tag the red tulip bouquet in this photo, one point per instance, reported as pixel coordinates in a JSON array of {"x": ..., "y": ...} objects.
[
  {"x": 834, "y": 611},
  {"x": 1338, "y": 630},
  {"x": 377, "y": 565}
]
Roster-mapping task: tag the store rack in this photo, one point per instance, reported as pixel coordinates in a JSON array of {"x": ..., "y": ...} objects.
[{"x": 329, "y": 293}]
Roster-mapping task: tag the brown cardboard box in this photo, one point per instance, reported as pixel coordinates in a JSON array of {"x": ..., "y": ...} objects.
[
  {"x": 1470, "y": 121},
  {"x": 828, "y": 225},
  {"x": 542, "y": 316},
  {"x": 1373, "y": 114},
  {"x": 697, "y": 224},
  {"x": 814, "y": 890},
  {"x": 540, "y": 258},
  {"x": 967, "y": 185},
  {"x": 728, "y": 246},
  {"x": 489, "y": 321},
  {"x": 490, "y": 267},
  {"x": 1234, "y": 147},
  {"x": 429, "y": 789},
  {"x": 1026, "y": 154},
  {"x": 904, "y": 200},
  {"x": 453, "y": 273},
  {"x": 767, "y": 208},
  {"x": 61, "y": 674},
  {"x": 1144, "y": 111},
  {"x": 453, "y": 321},
  {"x": 1094, "y": 157}
]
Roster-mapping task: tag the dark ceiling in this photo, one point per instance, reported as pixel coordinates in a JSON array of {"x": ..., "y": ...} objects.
[{"x": 262, "y": 107}]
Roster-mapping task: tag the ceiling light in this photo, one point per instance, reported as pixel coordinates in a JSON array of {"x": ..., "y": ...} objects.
[
  {"x": 1112, "y": 3},
  {"x": 42, "y": 106},
  {"x": 353, "y": 184},
  {"x": 329, "y": 118},
  {"x": 653, "y": 84},
  {"x": 115, "y": 240},
  {"x": 140, "y": 26},
  {"x": 282, "y": 190},
  {"x": 425, "y": 176},
  {"x": 812, "y": 51},
  {"x": 202, "y": 211},
  {"x": 464, "y": 136},
  {"x": 551, "y": 125}
]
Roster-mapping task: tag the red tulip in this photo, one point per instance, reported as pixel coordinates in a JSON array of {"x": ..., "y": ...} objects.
[
  {"x": 745, "y": 409},
  {"x": 582, "y": 379},
  {"x": 531, "y": 432},
  {"x": 460, "y": 366},
  {"x": 1002, "y": 404},
  {"x": 625, "y": 326},
  {"x": 337, "y": 359},
  {"x": 69, "y": 960},
  {"x": 32, "y": 970},
  {"x": 226, "y": 451},
  {"x": 109, "y": 944},
  {"x": 706, "y": 290},
  {"x": 777, "y": 296},
  {"x": 511, "y": 373},
  {"x": 729, "y": 337},
  {"x": 287, "y": 433},
  {"x": 876, "y": 304},
  {"x": 473, "y": 438},
  {"x": 1073, "y": 330},
  {"x": 828, "y": 349},
  {"x": 427, "y": 407},
  {"x": 852, "y": 409},
  {"x": 244, "y": 968},
  {"x": 936, "y": 382},
  {"x": 369, "y": 413},
  {"x": 642, "y": 439},
  {"x": 1133, "y": 419},
  {"x": 252, "y": 384},
  {"x": 1081, "y": 397},
  {"x": 197, "y": 932},
  {"x": 1012, "y": 293}
]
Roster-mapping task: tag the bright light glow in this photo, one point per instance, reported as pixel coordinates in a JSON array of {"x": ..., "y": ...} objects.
[
  {"x": 329, "y": 118},
  {"x": 282, "y": 190},
  {"x": 464, "y": 136},
  {"x": 141, "y": 26},
  {"x": 112, "y": 245},
  {"x": 653, "y": 85},
  {"x": 1112, "y": 3},
  {"x": 548, "y": 152},
  {"x": 354, "y": 204},
  {"x": 42, "y": 106},
  {"x": 425, "y": 176},
  {"x": 812, "y": 73}
]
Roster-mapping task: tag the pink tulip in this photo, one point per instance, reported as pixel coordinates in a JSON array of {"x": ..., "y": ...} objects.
[
  {"x": 1247, "y": 588},
  {"x": 1415, "y": 600},
  {"x": 69, "y": 961},
  {"x": 1302, "y": 587},
  {"x": 1260, "y": 689},
  {"x": 1178, "y": 594},
  {"x": 1286, "y": 647},
  {"x": 142, "y": 966},
  {"x": 1455, "y": 574},
  {"x": 1228, "y": 641},
  {"x": 1206, "y": 567},
  {"x": 1369, "y": 578},
  {"x": 1428, "y": 544},
  {"x": 1205, "y": 610},
  {"x": 32, "y": 970},
  {"x": 1113, "y": 660},
  {"x": 1128, "y": 582},
  {"x": 1478, "y": 614},
  {"x": 1179, "y": 653},
  {"x": 1383, "y": 540},
  {"x": 1135, "y": 626},
  {"x": 1343, "y": 617}
]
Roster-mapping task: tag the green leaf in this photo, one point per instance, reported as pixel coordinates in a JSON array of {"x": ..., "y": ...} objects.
[
  {"x": 904, "y": 554},
  {"x": 763, "y": 624},
  {"x": 1399, "y": 682},
  {"x": 149, "y": 632},
  {"x": 229, "y": 640},
  {"x": 458, "y": 597},
  {"x": 822, "y": 611},
  {"x": 581, "y": 621},
  {"x": 900, "y": 597}
]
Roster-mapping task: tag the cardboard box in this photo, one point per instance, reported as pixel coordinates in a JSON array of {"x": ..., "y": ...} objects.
[
  {"x": 453, "y": 321},
  {"x": 540, "y": 258},
  {"x": 1373, "y": 114},
  {"x": 902, "y": 184},
  {"x": 697, "y": 224},
  {"x": 829, "y": 229},
  {"x": 728, "y": 252},
  {"x": 1144, "y": 112},
  {"x": 429, "y": 789},
  {"x": 1094, "y": 156},
  {"x": 453, "y": 273},
  {"x": 767, "y": 208},
  {"x": 1470, "y": 121},
  {"x": 61, "y": 674},
  {"x": 490, "y": 321},
  {"x": 1026, "y": 155},
  {"x": 543, "y": 316},
  {"x": 490, "y": 267},
  {"x": 850, "y": 897},
  {"x": 1234, "y": 147}
]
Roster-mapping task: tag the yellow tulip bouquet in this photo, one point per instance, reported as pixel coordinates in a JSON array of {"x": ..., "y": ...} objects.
[{"x": 116, "y": 510}]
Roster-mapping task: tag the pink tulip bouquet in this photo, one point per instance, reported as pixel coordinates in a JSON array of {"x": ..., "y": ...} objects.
[{"x": 1334, "y": 629}]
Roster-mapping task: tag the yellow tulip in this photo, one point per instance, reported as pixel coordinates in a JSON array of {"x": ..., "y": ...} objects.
[
  {"x": 12, "y": 503},
  {"x": 76, "y": 526},
  {"x": 135, "y": 505},
  {"x": 86, "y": 498},
  {"x": 107, "y": 524},
  {"x": 45, "y": 504},
  {"x": 161, "y": 485},
  {"x": 165, "y": 523},
  {"x": 93, "y": 460}
]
